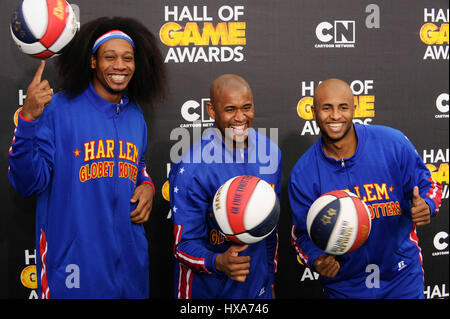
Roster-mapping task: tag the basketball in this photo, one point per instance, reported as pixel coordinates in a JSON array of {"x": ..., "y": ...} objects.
[
  {"x": 42, "y": 28},
  {"x": 338, "y": 222},
  {"x": 246, "y": 209}
]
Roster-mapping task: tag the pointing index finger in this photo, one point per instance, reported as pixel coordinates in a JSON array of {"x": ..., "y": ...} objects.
[{"x": 38, "y": 75}]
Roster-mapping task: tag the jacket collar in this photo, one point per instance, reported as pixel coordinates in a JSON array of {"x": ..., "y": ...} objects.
[
  {"x": 360, "y": 131},
  {"x": 104, "y": 106}
]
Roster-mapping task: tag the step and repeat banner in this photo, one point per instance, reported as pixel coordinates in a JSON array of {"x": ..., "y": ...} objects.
[{"x": 394, "y": 55}]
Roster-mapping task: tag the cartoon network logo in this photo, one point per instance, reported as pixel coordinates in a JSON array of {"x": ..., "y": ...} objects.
[
  {"x": 193, "y": 35},
  {"x": 440, "y": 243},
  {"x": 442, "y": 106},
  {"x": 342, "y": 33},
  {"x": 194, "y": 112},
  {"x": 336, "y": 34}
]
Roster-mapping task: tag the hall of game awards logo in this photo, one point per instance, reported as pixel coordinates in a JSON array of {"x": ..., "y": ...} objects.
[
  {"x": 434, "y": 33},
  {"x": 195, "y": 34},
  {"x": 436, "y": 160}
]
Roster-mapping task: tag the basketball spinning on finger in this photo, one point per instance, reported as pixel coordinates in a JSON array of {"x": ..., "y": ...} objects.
[
  {"x": 43, "y": 28},
  {"x": 338, "y": 222},
  {"x": 246, "y": 209}
]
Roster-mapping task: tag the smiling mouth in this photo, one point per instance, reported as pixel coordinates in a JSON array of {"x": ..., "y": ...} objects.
[
  {"x": 118, "y": 78},
  {"x": 239, "y": 130},
  {"x": 335, "y": 127}
]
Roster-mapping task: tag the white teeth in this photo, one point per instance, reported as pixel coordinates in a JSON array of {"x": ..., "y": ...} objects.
[
  {"x": 239, "y": 130},
  {"x": 335, "y": 126},
  {"x": 117, "y": 78}
]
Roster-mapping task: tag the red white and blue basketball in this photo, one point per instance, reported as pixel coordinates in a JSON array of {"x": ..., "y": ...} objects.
[
  {"x": 246, "y": 209},
  {"x": 338, "y": 222},
  {"x": 42, "y": 28}
]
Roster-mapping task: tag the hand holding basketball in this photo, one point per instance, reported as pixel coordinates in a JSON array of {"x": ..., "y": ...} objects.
[
  {"x": 420, "y": 211},
  {"x": 39, "y": 94},
  {"x": 234, "y": 266},
  {"x": 327, "y": 266}
]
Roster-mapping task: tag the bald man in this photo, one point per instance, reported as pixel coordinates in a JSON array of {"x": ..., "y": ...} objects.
[
  {"x": 231, "y": 106},
  {"x": 382, "y": 167},
  {"x": 207, "y": 265}
]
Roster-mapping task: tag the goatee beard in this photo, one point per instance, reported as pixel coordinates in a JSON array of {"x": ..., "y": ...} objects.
[{"x": 111, "y": 90}]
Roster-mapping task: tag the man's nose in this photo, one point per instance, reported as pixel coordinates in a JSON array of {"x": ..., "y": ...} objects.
[
  {"x": 239, "y": 116},
  {"x": 335, "y": 114},
  {"x": 119, "y": 64}
]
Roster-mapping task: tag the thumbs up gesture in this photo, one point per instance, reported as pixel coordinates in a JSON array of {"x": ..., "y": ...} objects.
[
  {"x": 234, "y": 266},
  {"x": 420, "y": 211},
  {"x": 39, "y": 94}
]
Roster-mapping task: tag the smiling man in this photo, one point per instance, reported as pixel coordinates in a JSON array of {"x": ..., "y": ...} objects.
[
  {"x": 358, "y": 158},
  {"x": 207, "y": 265},
  {"x": 231, "y": 107},
  {"x": 333, "y": 111},
  {"x": 81, "y": 151},
  {"x": 114, "y": 65}
]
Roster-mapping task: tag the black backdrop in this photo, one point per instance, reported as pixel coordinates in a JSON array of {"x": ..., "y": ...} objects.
[{"x": 283, "y": 48}]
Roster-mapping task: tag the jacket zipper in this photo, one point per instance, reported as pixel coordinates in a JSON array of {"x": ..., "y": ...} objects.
[
  {"x": 116, "y": 179},
  {"x": 366, "y": 253}
]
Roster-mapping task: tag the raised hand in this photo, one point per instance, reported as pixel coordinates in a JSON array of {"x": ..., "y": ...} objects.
[
  {"x": 420, "y": 211},
  {"x": 39, "y": 95}
]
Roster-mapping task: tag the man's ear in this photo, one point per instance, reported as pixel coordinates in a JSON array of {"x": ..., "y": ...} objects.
[
  {"x": 211, "y": 111},
  {"x": 93, "y": 62}
]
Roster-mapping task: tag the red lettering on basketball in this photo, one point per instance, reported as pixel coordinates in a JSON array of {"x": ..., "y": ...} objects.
[
  {"x": 238, "y": 195},
  {"x": 58, "y": 11},
  {"x": 363, "y": 228},
  {"x": 55, "y": 26}
]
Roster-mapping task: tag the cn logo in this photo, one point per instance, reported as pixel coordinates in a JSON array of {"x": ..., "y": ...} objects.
[
  {"x": 442, "y": 103},
  {"x": 439, "y": 240},
  {"x": 192, "y": 111},
  {"x": 341, "y": 32}
]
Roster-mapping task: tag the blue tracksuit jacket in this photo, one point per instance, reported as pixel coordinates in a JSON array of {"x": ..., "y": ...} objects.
[
  {"x": 383, "y": 172},
  {"x": 193, "y": 183},
  {"x": 83, "y": 158}
]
